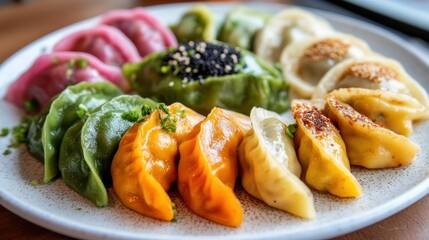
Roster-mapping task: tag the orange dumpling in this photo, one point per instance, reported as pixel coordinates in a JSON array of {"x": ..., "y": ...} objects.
[
  {"x": 143, "y": 170},
  {"x": 208, "y": 167}
]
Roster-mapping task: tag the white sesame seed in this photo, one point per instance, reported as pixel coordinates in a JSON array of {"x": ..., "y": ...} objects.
[
  {"x": 188, "y": 70},
  {"x": 170, "y": 84}
]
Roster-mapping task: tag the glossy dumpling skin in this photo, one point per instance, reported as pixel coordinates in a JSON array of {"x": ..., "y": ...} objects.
[
  {"x": 269, "y": 167},
  {"x": 305, "y": 63},
  {"x": 287, "y": 26},
  {"x": 89, "y": 145},
  {"x": 240, "y": 26},
  {"x": 322, "y": 152},
  {"x": 208, "y": 168},
  {"x": 196, "y": 24},
  {"x": 372, "y": 73},
  {"x": 106, "y": 43},
  {"x": 146, "y": 32},
  {"x": 255, "y": 84},
  {"x": 393, "y": 111},
  {"x": 51, "y": 73},
  {"x": 368, "y": 144},
  {"x": 143, "y": 170},
  {"x": 47, "y": 129}
]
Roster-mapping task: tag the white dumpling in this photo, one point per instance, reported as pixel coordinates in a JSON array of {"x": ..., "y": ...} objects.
[
  {"x": 367, "y": 143},
  {"x": 285, "y": 27},
  {"x": 373, "y": 72},
  {"x": 394, "y": 111},
  {"x": 269, "y": 166},
  {"x": 305, "y": 63}
]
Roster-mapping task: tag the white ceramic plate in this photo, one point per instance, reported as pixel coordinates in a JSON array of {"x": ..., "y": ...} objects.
[{"x": 57, "y": 207}]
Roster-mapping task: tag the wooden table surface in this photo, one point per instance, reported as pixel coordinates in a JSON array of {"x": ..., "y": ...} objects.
[{"x": 22, "y": 23}]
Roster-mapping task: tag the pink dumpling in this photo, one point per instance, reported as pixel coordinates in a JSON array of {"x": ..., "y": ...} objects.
[
  {"x": 106, "y": 43},
  {"x": 145, "y": 31},
  {"x": 51, "y": 73}
]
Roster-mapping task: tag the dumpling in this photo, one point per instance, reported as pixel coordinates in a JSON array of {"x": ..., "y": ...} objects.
[
  {"x": 269, "y": 168},
  {"x": 51, "y": 73},
  {"x": 196, "y": 24},
  {"x": 204, "y": 75},
  {"x": 47, "y": 129},
  {"x": 290, "y": 25},
  {"x": 89, "y": 145},
  {"x": 106, "y": 43},
  {"x": 368, "y": 144},
  {"x": 145, "y": 166},
  {"x": 304, "y": 63},
  {"x": 394, "y": 111},
  {"x": 322, "y": 153},
  {"x": 373, "y": 73},
  {"x": 240, "y": 26},
  {"x": 208, "y": 168},
  {"x": 146, "y": 32}
]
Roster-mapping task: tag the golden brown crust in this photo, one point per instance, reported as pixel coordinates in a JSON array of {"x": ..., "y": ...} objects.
[
  {"x": 373, "y": 72},
  {"x": 334, "y": 49}
]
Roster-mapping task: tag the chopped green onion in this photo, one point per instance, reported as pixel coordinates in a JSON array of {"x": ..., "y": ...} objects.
[
  {"x": 34, "y": 182},
  {"x": 4, "y": 132},
  {"x": 132, "y": 115},
  {"x": 30, "y": 106},
  {"x": 7, "y": 152},
  {"x": 82, "y": 63},
  {"x": 291, "y": 129},
  {"x": 146, "y": 110}
]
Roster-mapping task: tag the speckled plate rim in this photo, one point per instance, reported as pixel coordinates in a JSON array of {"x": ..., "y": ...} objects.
[{"x": 331, "y": 229}]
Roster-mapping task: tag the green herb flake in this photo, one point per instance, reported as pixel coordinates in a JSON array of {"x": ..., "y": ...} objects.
[
  {"x": 4, "y": 132},
  {"x": 165, "y": 69},
  {"x": 20, "y": 133},
  {"x": 181, "y": 113},
  {"x": 132, "y": 116},
  {"x": 71, "y": 63},
  {"x": 291, "y": 129},
  {"x": 69, "y": 72},
  {"x": 7, "y": 152},
  {"x": 81, "y": 63},
  {"x": 31, "y": 106},
  {"x": 175, "y": 212},
  {"x": 146, "y": 110},
  {"x": 81, "y": 111},
  {"x": 168, "y": 123},
  {"x": 34, "y": 182}
]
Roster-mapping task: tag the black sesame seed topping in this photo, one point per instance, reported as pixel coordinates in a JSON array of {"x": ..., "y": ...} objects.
[{"x": 195, "y": 61}]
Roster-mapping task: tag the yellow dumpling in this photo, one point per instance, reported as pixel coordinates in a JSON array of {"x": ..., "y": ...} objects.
[
  {"x": 393, "y": 111},
  {"x": 368, "y": 144},
  {"x": 269, "y": 167},
  {"x": 322, "y": 153}
]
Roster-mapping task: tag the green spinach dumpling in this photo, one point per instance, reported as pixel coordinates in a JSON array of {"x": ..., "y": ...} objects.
[
  {"x": 240, "y": 27},
  {"x": 89, "y": 145},
  {"x": 203, "y": 75}
]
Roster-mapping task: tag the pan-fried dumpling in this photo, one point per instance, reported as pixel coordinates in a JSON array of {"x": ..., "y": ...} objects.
[
  {"x": 208, "y": 167},
  {"x": 322, "y": 153},
  {"x": 367, "y": 143},
  {"x": 269, "y": 168},
  {"x": 393, "y": 111},
  {"x": 145, "y": 166},
  {"x": 305, "y": 63},
  {"x": 146, "y": 32},
  {"x": 106, "y": 43},
  {"x": 285, "y": 27},
  {"x": 373, "y": 73}
]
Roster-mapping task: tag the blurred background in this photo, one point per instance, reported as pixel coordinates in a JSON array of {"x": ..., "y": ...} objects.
[{"x": 23, "y": 21}]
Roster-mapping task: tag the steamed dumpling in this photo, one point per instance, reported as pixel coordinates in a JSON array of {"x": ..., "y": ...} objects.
[
  {"x": 322, "y": 153},
  {"x": 208, "y": 167},
  {"x": 373, "y": 73},
  {"x": 143, "y": 170},
  {"x": 290, "y": 25},
  {"x": 197, "y": 24},
  {"x": 106, "y": 43},
  {"x": 51, "y": 73},
  {"x": 368, "y": 144},
  {"x": 270, "y": 170},
  {"x": 393, "y": 111},
  {"x": 304, "y": 63},
  {"x": 146, "y": 32}
]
